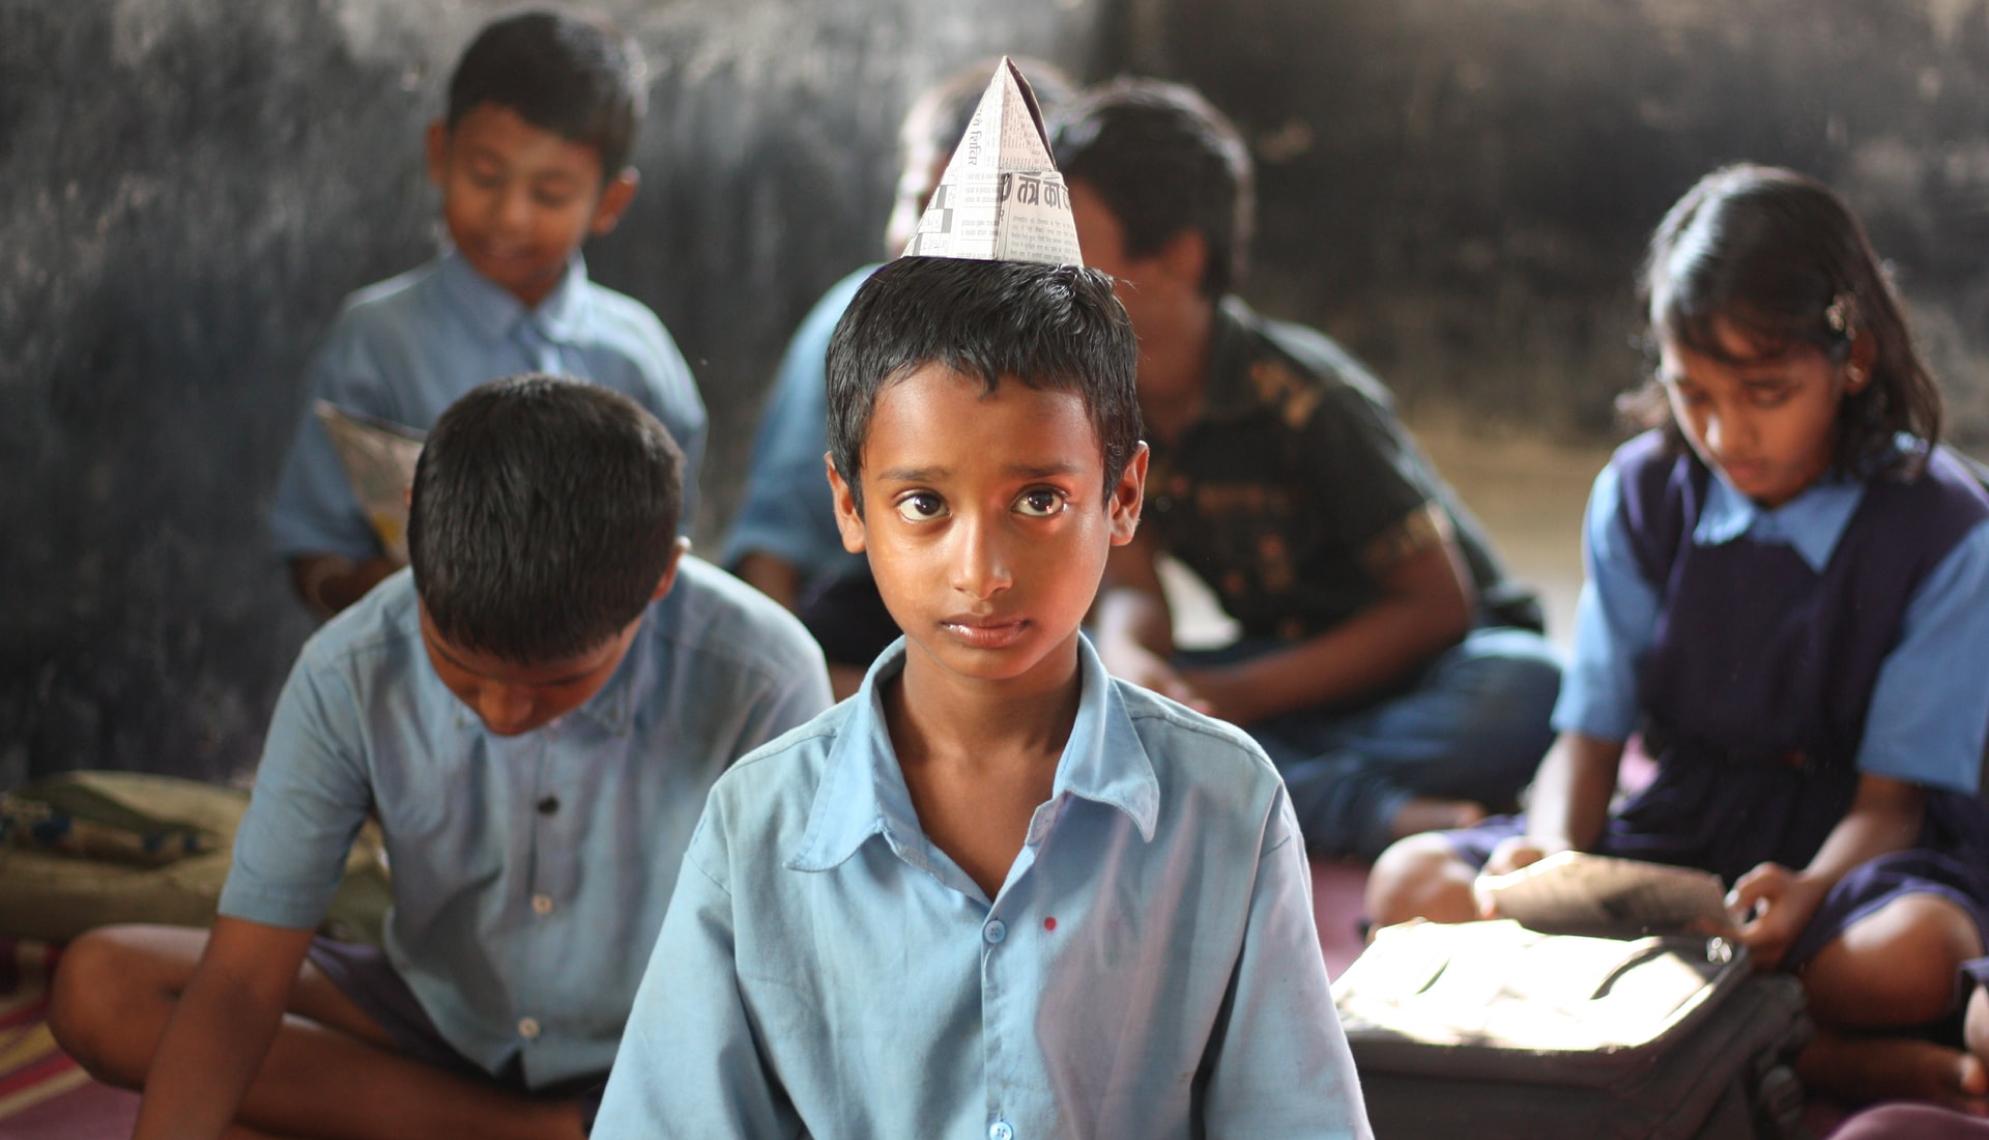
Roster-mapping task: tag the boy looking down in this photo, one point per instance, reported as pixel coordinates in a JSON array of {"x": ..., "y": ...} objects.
[
  {"x": 1397, "y": 679},
  {"x": 534, "y": 713},
  {"x": 532, "y": 159},
  {"x": 996, "y": 893}
]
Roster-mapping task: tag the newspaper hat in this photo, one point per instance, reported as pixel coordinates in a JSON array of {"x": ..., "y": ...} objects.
[{"x": 1001, "y": 198}]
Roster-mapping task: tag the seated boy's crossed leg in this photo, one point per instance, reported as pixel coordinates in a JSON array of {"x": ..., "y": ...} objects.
[
  {"x": 1464, "y": 737},
  {"x": 117, "y": 986}
]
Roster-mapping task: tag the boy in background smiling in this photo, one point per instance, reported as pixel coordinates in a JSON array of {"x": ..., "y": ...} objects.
[{"x": 532, "y": 159}]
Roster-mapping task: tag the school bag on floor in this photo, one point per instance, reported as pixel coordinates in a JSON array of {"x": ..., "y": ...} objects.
[{"x": 1494, "y": 1031}]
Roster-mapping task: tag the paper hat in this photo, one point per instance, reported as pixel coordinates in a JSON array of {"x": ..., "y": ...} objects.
[{"x": 1001, "y": 198}]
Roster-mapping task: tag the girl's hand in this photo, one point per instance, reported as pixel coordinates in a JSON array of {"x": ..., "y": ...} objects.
[
  {"x": 1521, "y": 851},
  {"x": 1510, "y": 855},
  {"x": 1771, "y": 904}
]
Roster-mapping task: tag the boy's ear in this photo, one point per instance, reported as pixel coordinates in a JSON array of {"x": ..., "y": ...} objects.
[
  {"x": 615, "y": 197},
  {"x": 437, "y": 148},
  {"x": 1127, "y": 497},
  {"x": 848, "y": 519},
  {"x": 669, "y": 578}
]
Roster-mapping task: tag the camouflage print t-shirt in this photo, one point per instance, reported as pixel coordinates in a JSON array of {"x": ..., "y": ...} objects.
[{"x": 1296, "y": 491}]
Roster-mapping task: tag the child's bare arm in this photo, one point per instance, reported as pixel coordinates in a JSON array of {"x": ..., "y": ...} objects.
[
  {"x": 1425, "y": 607},
  {"x": 1135, "y": 627},
  {"x": 773, "y": 576},
  {"x": 329, "y": 583},
  {"x": 1570, "y": 801},
  {"x": 221, "y": 1030},
  {"x": 1776, "y": 903}
]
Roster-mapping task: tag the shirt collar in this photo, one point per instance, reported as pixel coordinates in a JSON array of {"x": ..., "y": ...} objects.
[
  {"x": 1811, "y": 523},
  {"x": 863, "y": 790},
  {"x": 496, "y": 313}
]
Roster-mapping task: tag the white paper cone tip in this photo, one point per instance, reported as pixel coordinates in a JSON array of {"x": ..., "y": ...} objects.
[{"x": 1001, "y": 198}]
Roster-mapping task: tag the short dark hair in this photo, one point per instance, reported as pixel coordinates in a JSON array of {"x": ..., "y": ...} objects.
[
  {"x": 1050, "y": 327},
  {"x": 578, "y": 78},
  {"x": 1163, "y": 161},
  {"x": 1782, "y": 258},
  {"x": 544, "y": 513}
]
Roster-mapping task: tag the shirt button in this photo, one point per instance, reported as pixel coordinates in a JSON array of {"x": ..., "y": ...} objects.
[
  {"x": 994, "y": 933},
  {"x": 1000, "y": 1130},
  {"x": 549, "y": 805},
  {"x": 528, "y": 1028},
  {"x": 542, "y": 904}
]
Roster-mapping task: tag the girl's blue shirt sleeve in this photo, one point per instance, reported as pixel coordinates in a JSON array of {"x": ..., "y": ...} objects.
[
  {"x": 1614, "y": 623},
  {"x": 1929, "y": 716}
]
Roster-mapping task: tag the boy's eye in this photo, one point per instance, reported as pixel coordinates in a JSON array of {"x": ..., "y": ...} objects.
[
  {"x": 552, "y": 199},
  {"x": 921, "y": 506},
  {"x": 1768, "y": 397},
  {"x": 1040, "y": 503}
]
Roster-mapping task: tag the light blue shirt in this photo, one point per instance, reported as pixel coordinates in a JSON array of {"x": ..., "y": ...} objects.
[
  {"x": 788, "y": 511},
  {"x": 1929, "y": 714},
  {"x": 530, "y": 872},
  {"x": 1149, "y": 968},
  {"x": 404, "y": 350}
]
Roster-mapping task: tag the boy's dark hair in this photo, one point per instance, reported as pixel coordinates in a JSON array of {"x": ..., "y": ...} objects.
[
  {"x": 1051, "y": 327},
  {"x": 577, "y": 78},
  {"x": 939, "y": 116},
  {"x": 1163, "y": 161},
  {"x": 544, "y": 513},
  {"x": 1779, "y": 256}
]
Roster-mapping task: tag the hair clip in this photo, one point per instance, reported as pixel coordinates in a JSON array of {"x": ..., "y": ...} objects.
[{"x": 1842, "y": 314}]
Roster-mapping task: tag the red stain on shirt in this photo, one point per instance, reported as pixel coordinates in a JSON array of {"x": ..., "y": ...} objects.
[{"x": 1049, "y": 924}]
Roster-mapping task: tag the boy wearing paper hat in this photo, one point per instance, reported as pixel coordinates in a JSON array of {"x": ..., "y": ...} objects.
[
  {"x": 996, "y": 893},
  {"x": 784, "y": 538}
]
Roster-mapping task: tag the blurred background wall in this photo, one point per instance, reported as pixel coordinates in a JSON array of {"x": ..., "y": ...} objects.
[{"x": 1459, "y": 189}]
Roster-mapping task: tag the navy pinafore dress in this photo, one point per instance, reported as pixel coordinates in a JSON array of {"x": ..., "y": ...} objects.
[{"x": 1757, "y": 685}]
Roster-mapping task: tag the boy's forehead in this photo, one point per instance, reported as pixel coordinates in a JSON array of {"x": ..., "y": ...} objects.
[
  {"x": 936, "y": 409},
  {"x": 504, "y": 129},
  {"x": 481, "y": 664}
]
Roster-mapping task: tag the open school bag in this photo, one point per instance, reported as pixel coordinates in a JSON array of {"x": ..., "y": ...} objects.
[{"x": 1491, "y": 1030}]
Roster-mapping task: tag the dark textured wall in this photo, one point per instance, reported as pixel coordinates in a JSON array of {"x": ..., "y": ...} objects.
[
  {"x": 1461, "y": 189},
  {"x": 187, "y": 188},
  {"x": 1458, "y": 188}
]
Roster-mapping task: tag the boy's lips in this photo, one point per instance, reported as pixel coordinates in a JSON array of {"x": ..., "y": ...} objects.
[{"x": 984, "y": 632}]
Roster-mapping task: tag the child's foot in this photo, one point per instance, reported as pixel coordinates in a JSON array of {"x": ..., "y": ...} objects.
[
  {"x": 1424, "y": 813},
  {"x": 1858, "y": 1070}
]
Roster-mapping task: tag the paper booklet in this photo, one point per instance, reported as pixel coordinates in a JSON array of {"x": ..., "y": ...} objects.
[
  {"x": 379, "y": 458},
  {"x": 1571, "y": 891},
  {"x": 1001, "y": 198}
]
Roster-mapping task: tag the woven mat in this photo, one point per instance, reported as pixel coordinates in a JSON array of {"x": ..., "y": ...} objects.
[{"x": 43, "y": 1094}]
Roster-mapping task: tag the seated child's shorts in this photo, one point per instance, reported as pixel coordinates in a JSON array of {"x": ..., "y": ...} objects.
[{"x": 363, "y": 974}]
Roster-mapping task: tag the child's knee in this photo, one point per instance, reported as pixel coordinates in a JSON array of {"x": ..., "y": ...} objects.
[
  {"x": 1897, "y": 966},
  {"x": 99, "y": 981},
  {"x": 1420, "y": 877}
]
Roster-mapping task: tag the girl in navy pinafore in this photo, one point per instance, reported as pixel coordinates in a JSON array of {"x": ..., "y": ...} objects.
[{"x": 1788, "y": 597}]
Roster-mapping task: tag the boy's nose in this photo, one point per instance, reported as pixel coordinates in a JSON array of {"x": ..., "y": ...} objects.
[
  {"x": 981, "y": 564},
  {"x": 513, "y": 210}
]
